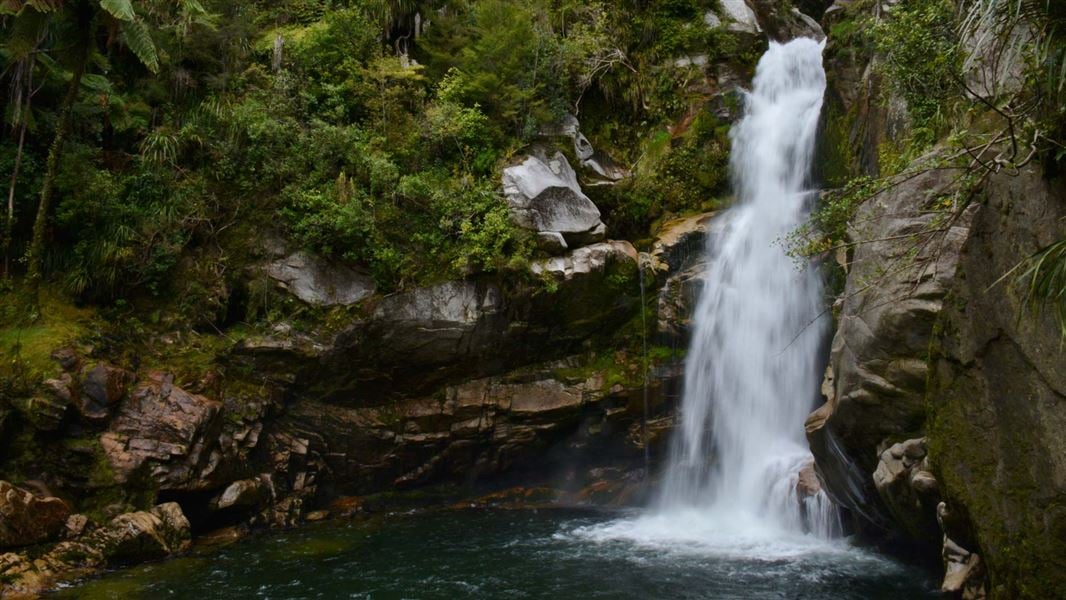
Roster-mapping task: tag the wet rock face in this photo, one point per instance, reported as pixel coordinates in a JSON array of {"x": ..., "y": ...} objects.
[
  {"x": 545, "y": 196},
  {"x": 678, "y": 262},
  {"x": 900, "y": 272},
  {"x": 783, "y": 25},
  {"x": 26, "y": 518}
]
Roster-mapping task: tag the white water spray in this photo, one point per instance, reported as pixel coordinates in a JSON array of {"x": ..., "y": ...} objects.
[{"x": 751, "y": 371}]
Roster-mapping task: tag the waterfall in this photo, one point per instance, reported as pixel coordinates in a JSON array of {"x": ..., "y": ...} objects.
[{"x": 751, "y": 370}]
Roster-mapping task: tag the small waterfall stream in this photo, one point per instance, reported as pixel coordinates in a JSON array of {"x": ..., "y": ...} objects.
[{"x": 751, "y": 373}]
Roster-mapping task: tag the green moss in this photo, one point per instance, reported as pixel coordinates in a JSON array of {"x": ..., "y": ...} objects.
[
  {"x": 32, "y": 342},
  {"x": 985, "y": 462}
]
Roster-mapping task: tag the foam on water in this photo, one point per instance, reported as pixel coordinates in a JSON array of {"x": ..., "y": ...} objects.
[{"x": 751, "y": 373}]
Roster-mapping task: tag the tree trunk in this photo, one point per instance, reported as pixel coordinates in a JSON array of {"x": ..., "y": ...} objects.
[
  {"x": 9, "y": 224},
  {"x": 36, "y": 249}
]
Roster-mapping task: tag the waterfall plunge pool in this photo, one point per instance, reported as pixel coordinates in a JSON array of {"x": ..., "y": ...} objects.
[{"x": 548, "y": 553}]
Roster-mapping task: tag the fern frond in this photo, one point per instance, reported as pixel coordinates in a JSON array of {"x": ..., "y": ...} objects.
[
  {"x": 140, "y": 42},
  {"x": 1044, "y": 281},
  {"x": 120, "y": 9}
]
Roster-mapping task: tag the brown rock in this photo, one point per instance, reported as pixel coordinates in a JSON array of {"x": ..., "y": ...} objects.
[
  {"x": 246, "y": 493},
  {"x": 101, "y": 388},
  {"x": 27, "y": 519},
  {"x": 807, "y": 484},
  {"x": 75, "y": 526},
  {"x": 131, "y": 537},
  {"x": 167, "y": 430}
]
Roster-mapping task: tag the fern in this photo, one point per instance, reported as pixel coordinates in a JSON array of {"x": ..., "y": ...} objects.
[
  {"x": 140, "y": 42},
  {"x": 120, "y": 9},
  {"x": 1045, "y": 282}
]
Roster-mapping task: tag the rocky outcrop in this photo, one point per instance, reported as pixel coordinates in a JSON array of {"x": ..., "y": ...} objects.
[
  {"x": 26, "y": 518},
  {"x": 136, "y": 536},
  {"x": 415, "y": 341},
  {"x": 545, "y": 419},
  {"x": 998, "y": 395},
  {"x": 735, "y": 15},
  {"x": 318, "y": 282},
  {"x": 604, "y": 168},
  {"x": 164, "y": 433},
  {"x": 545, "y": 197},
  {"x": 678, "y": 261},
  {"x": 904, "y": 261},
  {"x": 782, "y": 22},
  {"x": 909, "y": 490}
]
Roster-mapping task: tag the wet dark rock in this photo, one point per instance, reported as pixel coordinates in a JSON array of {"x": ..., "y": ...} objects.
[
  {"x": 998, "y": 394},
  {"x": 892, "y": 299}
]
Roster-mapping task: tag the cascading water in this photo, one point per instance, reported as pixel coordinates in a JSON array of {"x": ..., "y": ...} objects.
[{"x": 751, "y": 371}]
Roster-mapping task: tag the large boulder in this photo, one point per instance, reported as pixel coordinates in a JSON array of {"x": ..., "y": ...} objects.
[
  {"x": 319, "y": 282},
  {"x": 166, "y": 433},
  {"x": 144, "y": 535},
  {"x": 736, "y": 15},
  {"x": 545, "y": 197},
  {"x": 27, "y": 519}
]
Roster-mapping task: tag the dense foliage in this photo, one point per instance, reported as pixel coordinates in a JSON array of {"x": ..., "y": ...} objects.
[{"x": 369, "y": 132}]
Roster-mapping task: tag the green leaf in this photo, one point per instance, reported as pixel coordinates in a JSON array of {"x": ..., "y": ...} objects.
[
  {"x": 97, "y": 83},
  {"x": 120, "y": 9},
  {"x": 140, "y": 42}
]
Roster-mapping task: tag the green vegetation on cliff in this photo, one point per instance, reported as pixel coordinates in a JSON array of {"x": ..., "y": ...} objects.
[{"x": 360, "y": 131}]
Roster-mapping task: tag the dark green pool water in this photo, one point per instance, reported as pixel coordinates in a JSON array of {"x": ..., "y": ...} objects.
[{"x": 478, "y": 554}]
